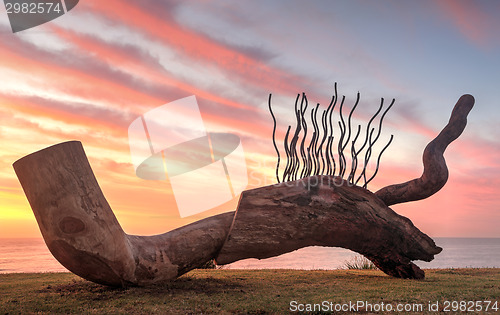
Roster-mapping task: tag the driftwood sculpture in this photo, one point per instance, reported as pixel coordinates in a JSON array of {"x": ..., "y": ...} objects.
[{"x": 83, "y": 234}]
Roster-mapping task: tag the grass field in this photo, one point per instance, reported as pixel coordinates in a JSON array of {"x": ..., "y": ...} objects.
[{"x": 252, "y": 291}]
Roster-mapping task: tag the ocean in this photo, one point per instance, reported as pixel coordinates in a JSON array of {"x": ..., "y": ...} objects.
[{"x": 32, "y": 255}]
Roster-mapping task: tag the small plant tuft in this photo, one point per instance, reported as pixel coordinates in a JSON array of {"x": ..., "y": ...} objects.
[{"x": 359, "y": 263}]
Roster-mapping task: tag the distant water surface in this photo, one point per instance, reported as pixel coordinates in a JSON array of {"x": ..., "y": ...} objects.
[
  {"x": 27, "y": 255},
  {"x": 32, "y": 255}
]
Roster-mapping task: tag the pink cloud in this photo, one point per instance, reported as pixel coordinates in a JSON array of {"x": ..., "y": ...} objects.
[
  {"x": 241, "y": 66},
  {"x": 144, "y": 66},
  {"x": 472, "y": 20}
]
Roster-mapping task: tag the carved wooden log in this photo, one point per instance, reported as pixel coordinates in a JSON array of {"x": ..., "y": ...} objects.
[
  {"x": 325, "y": 211},
  {"x": 83, "y": 234}
]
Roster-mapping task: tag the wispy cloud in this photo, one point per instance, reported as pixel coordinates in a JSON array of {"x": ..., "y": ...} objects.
[{"x": 476, "y": 20}]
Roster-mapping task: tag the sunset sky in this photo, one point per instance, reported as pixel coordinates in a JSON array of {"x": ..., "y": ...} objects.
[{"x": 89, "y": 74}]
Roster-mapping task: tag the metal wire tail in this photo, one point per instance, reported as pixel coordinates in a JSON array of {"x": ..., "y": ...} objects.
[{"x": 313, "y": 153}]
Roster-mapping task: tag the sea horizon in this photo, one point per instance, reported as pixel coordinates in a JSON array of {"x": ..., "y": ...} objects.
[{"x": 31, "y": 255}]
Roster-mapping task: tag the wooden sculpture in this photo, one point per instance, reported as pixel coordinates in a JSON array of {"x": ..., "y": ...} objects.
[{"x": 83, "y": 234}]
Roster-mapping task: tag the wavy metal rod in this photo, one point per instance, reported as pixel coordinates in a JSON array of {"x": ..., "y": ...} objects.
[
  {"x": 369, "y": 124},
  {"x": 354, "y": 158},
  {"x": 315, "y": 136},
  {"x": 320, "y": 149},
  {"x": 309, "y": 160},
  {"x": 378, "y": 163},
  {"x": 382, "y": 119},
  {"x": 326, "y": 135},
  {"x": 368, "y": 153},
  {"x": 348, "y": 138},
  {"x": 304, "y": 126},
  {"x": 330, "y": 135},
  {"x": 274, "y": 140},
  {"x": 293, "y": 143},
  {"x": 340, "y": 148},
  {"x": 288, "y": 157},
  {"x": 365, "y": 162}
]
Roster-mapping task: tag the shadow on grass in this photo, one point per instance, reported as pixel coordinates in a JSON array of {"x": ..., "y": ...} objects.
[{"x": 206, "y": 285}]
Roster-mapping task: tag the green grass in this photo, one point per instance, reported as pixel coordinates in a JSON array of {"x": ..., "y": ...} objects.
[{"x": 241, "y": 291}]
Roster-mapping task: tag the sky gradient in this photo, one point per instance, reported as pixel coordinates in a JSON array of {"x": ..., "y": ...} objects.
[{"x": 88, "y": 74}]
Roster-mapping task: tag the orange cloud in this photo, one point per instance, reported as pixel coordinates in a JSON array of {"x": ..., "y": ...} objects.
[{"x": 29, "y": 106}]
